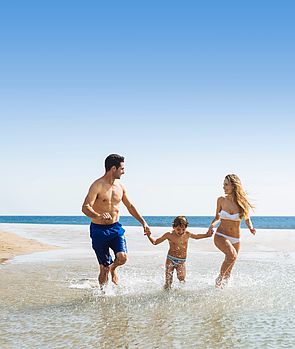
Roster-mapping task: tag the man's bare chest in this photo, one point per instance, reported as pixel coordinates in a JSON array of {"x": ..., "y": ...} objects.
[{"x": 112, "y": 195}]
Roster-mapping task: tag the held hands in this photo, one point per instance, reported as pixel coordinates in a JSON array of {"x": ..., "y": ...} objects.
[
  {"x": 210, "y": 231},
  {"x": 146, "y": 229}
]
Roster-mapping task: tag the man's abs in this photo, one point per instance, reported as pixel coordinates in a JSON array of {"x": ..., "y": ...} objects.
[{"x": 101, "y": 220}]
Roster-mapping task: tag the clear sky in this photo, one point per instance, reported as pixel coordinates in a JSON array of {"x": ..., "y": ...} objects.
[{"x": 187, "y": 91}]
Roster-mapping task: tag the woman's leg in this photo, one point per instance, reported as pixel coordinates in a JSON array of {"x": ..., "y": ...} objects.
[
  {"x": 228, "y": 272},
  {"x": 231, "y": 253},
  {"x": 168, "y": 274}
]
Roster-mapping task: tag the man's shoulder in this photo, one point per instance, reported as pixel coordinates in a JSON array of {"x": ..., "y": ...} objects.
[
  {"x": 98, "y": 185},
  {"x": 98, "y": 182}
]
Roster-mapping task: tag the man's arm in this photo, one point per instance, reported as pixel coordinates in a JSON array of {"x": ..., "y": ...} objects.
[
  {"x": 87, "y": 207},
  {"x": 158, "y": 240},
  {"x": 133, "y": 211}
]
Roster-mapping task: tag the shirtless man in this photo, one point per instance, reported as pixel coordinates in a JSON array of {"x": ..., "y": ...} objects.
[{"x": 102, "y": 206}]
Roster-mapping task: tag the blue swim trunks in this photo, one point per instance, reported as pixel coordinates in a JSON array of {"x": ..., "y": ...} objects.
[{"x": 105, "y": 237}]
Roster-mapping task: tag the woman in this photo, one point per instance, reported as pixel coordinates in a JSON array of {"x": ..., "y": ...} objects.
[{"x": 231, "y": 209}]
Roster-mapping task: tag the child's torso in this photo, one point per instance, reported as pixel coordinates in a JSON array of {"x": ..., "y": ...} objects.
[{"x": 178, "y": 245}]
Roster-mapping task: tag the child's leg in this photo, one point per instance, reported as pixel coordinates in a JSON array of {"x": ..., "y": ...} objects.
[
  {"x": 181, "y": 272},
  {"x": 168, "y": 274}
]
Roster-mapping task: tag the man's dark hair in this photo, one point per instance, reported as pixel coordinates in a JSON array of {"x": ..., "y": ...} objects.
[{"x": 113, "y": 160}]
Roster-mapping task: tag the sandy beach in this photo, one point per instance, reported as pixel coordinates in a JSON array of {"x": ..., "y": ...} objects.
[
  {"x": 51, "y": 299},
  {"x": 12, "y": 245}
]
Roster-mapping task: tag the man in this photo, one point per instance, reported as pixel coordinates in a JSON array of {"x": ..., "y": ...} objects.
[{"x": 102, "y": 205}]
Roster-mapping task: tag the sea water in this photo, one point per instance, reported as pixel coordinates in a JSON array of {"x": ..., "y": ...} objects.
[
  {"x": 52, "y": 299},
  {"x": 260, "y": 222}
]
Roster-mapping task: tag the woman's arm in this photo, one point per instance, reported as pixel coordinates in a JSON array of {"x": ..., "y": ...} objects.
[
  {"x": 216, "y": 218},
  {"x": 250, "y": 225},
  {"x": 158, "y": 240}
]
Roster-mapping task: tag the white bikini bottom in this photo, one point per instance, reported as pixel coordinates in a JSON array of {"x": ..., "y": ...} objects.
[{"x": 230, "y": 238}]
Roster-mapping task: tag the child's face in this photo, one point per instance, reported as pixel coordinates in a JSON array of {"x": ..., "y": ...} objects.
[{"x": 179, "y": 230}]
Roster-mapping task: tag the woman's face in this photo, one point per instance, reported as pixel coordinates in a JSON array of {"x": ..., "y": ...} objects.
[{"x": 227, "y": 187}]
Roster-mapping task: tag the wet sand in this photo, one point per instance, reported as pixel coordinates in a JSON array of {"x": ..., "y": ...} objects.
[
  {"x": 51, "y": 299},
  {"x": 12, "y": 245}
]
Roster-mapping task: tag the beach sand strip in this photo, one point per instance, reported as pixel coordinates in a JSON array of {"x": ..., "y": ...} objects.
[{"x": 12, "y": 245}]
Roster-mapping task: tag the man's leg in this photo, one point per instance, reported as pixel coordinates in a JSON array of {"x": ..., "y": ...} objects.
[
  {"x": 121, "y": 258},
  {"x": 119, "y": 246},
  {"x": 103, "y": 275},
  {"x": 100, "y": 245}
]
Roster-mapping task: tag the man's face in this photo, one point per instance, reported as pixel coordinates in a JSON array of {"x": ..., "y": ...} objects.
[{"x": 119, "y": 171}]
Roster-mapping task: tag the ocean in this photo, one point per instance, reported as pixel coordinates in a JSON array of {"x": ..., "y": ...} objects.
[
  {"x": 52, "y": 300},
  {"x": 260, "y": 222}
]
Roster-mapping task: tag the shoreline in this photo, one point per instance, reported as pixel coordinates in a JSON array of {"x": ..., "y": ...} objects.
[
  {"x": 12, "y": 245},
  {"x": 260, "y": 222},
  {"x": 26, "y": 239}
]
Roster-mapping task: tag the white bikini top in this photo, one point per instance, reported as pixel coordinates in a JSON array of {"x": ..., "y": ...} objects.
[{"x": 232, "y": 217}]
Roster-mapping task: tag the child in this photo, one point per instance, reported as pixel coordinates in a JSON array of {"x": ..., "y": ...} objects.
[{"x": 178, "y": 242}]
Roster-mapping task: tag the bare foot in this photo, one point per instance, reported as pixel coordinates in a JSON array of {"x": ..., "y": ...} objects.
[
  {"x": 167, "y": 287},
  {"x": 115, "y": 276},
  {"x": 219, "y": 282},
  {"x": 102, "y": 288},
  {"x": 226, "y": 280}
]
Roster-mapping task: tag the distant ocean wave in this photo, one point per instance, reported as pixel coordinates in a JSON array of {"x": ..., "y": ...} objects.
[{"x": 260, "y": 222}]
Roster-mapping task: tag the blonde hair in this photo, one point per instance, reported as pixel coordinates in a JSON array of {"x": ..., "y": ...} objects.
[
  {"x": 180, "y": 221},
  {"x": 239, "y": 195}
]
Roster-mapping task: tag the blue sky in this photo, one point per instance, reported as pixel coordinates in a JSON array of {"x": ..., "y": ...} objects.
[{"x": 188, "y": 91}]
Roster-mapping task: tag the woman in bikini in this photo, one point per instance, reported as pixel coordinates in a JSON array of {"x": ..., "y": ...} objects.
[{"x": 231, "y": 209}]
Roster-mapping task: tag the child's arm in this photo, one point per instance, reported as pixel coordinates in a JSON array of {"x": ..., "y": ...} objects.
[
  {"x": 158, "y": 240},
  {"x": 201, "y": 236},
  {"x": 216, "y": 218},
  {"x": 250, "y": 225}
]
